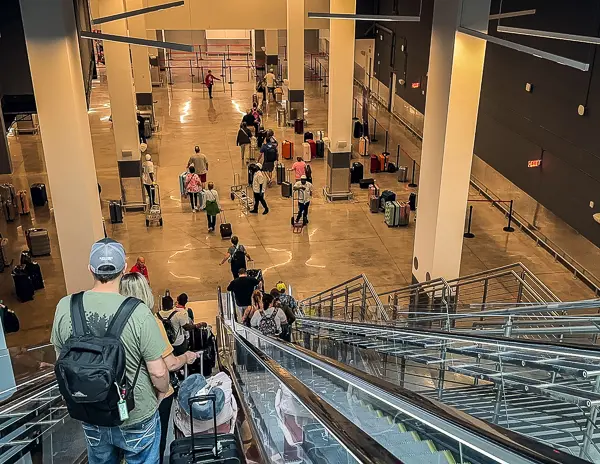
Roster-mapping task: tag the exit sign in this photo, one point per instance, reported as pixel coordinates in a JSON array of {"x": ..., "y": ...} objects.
[
  {"x": 416, "y": 85},
  {"x": 534, "y": 163}
]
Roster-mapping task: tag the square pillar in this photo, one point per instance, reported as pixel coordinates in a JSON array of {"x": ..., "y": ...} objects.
[
  {"x": 272, "y": 49},
  {"x": 295, "y": 55},
  {"x": 139, "y": 56},
  {"x": 5, "y": 160},
  {"x": 453, "y": 90}
]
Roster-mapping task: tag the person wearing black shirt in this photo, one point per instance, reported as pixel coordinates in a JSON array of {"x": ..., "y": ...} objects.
[
  {"x": 249, "y": 119},
  {"x": 242, "y": 288}
]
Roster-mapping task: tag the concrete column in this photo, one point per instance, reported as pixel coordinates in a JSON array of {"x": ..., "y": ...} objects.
[
  {"x": 339, "y": 114},
  {"x": 259, "y": 50},
  {"x": 272, "y": 48},
  {"x": 295, "y": 54},
  {"x": 453, "y": 89},
  {"x": 5, "y": 160},
  {"x": 120, "y": 83},
  {"x": 139, "y": 55},
  {"x": 51, "y": 37}
]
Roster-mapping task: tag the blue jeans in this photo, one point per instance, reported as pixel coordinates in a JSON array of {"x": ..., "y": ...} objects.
[{"x": 138, "y": 444}]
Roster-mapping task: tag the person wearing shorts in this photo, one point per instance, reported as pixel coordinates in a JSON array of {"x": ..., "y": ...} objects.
[
  {"x": 200, "y": 163},
  {"x": 268, "y": 158}
]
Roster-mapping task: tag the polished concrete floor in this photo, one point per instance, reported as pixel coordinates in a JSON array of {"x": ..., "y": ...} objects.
[{"x": 342, "y": 240}]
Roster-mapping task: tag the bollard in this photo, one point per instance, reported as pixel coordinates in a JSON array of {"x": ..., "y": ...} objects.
[
  {"x": 468, "y": 233},
  {"x": 508, "y": 228},
  {"x": 412, "y": 181}
]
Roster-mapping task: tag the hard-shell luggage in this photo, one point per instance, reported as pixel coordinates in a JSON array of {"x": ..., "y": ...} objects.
[
  {"x": 308, "y": 136},
  {"x": 182, "y": 177},
  {"x": 287, "y": 150},
  {"x": 403, "y": 174},
  {"x": 306, "y": 154},
  {"x": 364, "y": 183},
  {"x": 374, "y": 204},
  {"x": 204, "y": 448},
  {"x": 320, "y": 147},
  {"x": 9, "y": 210},
  {"x": 373, "y": 191},
  {"x": 203, "y": 340},
  {"x": 319, "y": 135},
  {"x": 313, "y": 148},
  {"x": 22, "y": 202},
  {"x": 356, "y": 173},
  {"x": 404, "y": 214},
  {"x": 358, "y": 129},
  {"x": 8, "y": 193},
  {"x": 253, "y": 148},
  {"x": 34, "y": 271},
  {"x": 280, "y": 174},
  {"x": 38, "y": 242},
  {"x": 386, "y": 196},
  {"x": 3, "y": 254},
  {"x": 375, "y": 163},
  {"x": 286, "y": 187},
  {"x": 363, "y": 146},
  {"x": 391, "y": 213},
  {"x": 147, "y": 128},
  {"x": 299, "y": 126},
  {"x": 39, "y": 196},
  {"x": 256, "y": 273},
  {"x": 225, "y": 227},
  {"x": 412, "y": 201},
  {"x": 23, "y": 285},
  {"x": 116, "y": 211},
  {"x": 382, "y": 162}
]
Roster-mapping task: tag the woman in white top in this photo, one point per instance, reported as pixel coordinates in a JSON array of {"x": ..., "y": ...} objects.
[
  {"x": 213, "y": 206},
  {"x": 148, "y": 177},
  {"x": 269, "y": 311}
]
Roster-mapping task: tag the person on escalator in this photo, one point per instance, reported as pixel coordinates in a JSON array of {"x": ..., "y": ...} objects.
[
  {"x": 242, "y": 289},
  {"x": 268, "y": 319}
]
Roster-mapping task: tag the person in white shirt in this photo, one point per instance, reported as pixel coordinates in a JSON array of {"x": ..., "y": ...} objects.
[
  {"x": 270, "y": 78},
  {"x": 213, "y": 206},
  {"x": 304, "y": 189},
  {"x": 277, "y": 314},
  {"x": 148, "y": 178},
  {"x": 259, "y": 187}
]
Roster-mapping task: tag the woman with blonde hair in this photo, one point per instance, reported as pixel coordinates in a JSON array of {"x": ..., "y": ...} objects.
[{"x": 135, "y": 285}]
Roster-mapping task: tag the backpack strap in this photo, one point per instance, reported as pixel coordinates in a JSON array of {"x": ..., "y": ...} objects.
[
  {"x": 117, "y": 324},
  {"x": 171, "y": 315},
  {"x": 80, "y": 327}
]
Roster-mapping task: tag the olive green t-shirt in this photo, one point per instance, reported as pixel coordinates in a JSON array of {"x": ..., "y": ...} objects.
[{"x": 141, "y": 339}]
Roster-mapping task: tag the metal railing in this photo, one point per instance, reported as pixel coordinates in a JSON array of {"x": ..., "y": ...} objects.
[{"x": 355, "y": 298}]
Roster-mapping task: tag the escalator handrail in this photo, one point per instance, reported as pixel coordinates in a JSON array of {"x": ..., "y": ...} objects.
[
  {"x": 363, "y": 447},
  {"x": 514, "y": 442}
]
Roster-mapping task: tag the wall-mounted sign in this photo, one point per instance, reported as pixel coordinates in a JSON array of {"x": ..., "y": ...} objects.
[
  {"x": 534, "y": 163},
  {"x": 415, "y": 85}
]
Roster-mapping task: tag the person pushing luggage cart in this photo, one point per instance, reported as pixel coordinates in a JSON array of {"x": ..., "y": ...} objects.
[{"x": 304, "y": 189}]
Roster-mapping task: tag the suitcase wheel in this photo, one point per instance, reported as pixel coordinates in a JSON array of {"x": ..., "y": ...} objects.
[
  {"x": 232, "y": 195},
  {"x": 160, "y": 222},
  {"x": 147, "y": 223},
  {"x": 293, "y": 221}
]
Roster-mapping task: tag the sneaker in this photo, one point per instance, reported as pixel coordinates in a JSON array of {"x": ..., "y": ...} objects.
[
  {"x": 266, "y": 211},
  {"x": 253, "y": 211}
]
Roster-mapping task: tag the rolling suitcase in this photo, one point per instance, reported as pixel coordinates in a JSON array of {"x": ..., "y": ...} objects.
[
  {"x": 280, "y": 174},
  {"x": 8, "y": 193},
  {"x": 38, "y": 242},
  {"x": 253, "y": 148},
  {"x": 299, "y": 126},
  {"x": 320, "y": 146},
  {"x": 225, "y": 227},
  {"x": 256, "y": 273},
  {"x": 9, "y": 210},
  {"x": 251, "y": 170},
  {"x": 308, "y": 136},
  {"x": 3, "y": 254},
  {"x": 404, "y": 214},
  {"x": 287, "y": 150},
  {"x": 39, "y": 196},
  {"x": 374, "y": 204},
  {"x": 375, "y": 163},
  {"x": 286, "y": 187},
  {"x": 391, "y": 167},
  {"x": 386, "y": 196},
  {"x": 34, "y": 271},
  {"x": 382, "y": 162},
  {"x": 306, "y": 155},
  {"x": 23, "y": 285},
  {"x": 412, "y": 201},
  {"x": 205, "y": 448},
  {"x": 319, "y": 135},
  {"x": 391, "y": 213},
  {"x": 402, "y": 174},
  {"x": 363, "y": 146},
  {"x": 365, "y": 183},
  {"x": 116, "y": 211},
  {"x": 147, "y": 129},
  {"x": 356, "y": 173},
  {"x": 22, "y": 202},
  {"x": 358, "y": 129},
  {"x": 313, "y": 148},
  {"x": 182, "y": 177}
]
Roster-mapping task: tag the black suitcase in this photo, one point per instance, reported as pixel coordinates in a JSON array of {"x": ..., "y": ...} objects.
[
  {"x": 38, "y": 242},
  {"x": 320, "y": 148},
  {"x": 9, "y": 210},
  {"x": 308, "y": 136},
  {"x": 356, "y": 173},
  {"x": 286, "y": 189},
  {"x": 412, "y": 201},
  {"x": 202, "y": 341},
  {"x": 225, "y": 227},
  {"x": 251, "y": 171},
  {"x": 280, "y": 174},
  {"x": 299, "y": 126},
  {"x": 39, "y": 196},
  {"x": 256, "y": 273},
  {"x": 365, "y": 183},
  {"x": 116, "y": 212},
  {"x": 358, "y": 129},
  {"x": 23, "y": 285},
  {"x": 386, "y": 195},
  {"x": 33, "y": 269},
  {"x": 207, "y": 449}
]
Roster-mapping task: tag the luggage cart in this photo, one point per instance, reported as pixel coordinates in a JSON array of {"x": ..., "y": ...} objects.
[
  {"x": 298, "y": 226},
  {"x": 240, "y": 191},
  {"x": 154, "y": 211}
]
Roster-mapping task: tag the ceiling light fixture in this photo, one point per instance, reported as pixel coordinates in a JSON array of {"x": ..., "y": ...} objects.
[
  {"x": 525, "y": 49},
  {"x": 362, "y": 17},
  {"x": 512, "y": 14},
  {"x": 549, "y": 35},
  {"x": 136, "y": 41},
  {"x": 141, "y": 11}
]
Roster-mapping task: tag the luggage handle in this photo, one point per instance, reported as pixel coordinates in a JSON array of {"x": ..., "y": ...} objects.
[
  {"x": 199, "y": 399},
  {"x": 222, "y": 216}
]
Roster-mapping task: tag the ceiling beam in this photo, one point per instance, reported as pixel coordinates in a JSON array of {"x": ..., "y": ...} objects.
[
  {"x": 141, "y": 11},
  {"x": 136, "y": 41},
  {"x": 512, "y": 14},
  {"x": 362, "y": 17},
  {"x": 550, "y": 35},
  {"x": 525, "y": 49}
]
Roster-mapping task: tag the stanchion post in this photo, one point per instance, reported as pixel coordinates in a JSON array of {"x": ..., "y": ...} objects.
[
  {"x": 374, "y": 139},
  {"x": 387, "y": 137},
  {"x": 320, "y": 71},
  {"x": 325, "y": 80},
  {"x": 223, "y": 67},
  {"x": 248, "y": 66},
  {"x": 398, "y": 157},
  {"x": 230, "y": 78},
  {"x": 228, "y": 54},
  {"x": 509, "y": 228},
  {"x": 354, "y": 118},
  {"x": 412, "y": 181},
  {"x": 468, "y": 233}
]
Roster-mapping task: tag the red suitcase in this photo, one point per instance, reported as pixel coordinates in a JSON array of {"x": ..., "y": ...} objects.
[
  {"x": 313, "y": 148},
  {"x": 375, "y": 163}
]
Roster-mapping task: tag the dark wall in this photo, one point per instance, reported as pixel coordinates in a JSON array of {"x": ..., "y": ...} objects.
[{"x": 516, "y": 126}]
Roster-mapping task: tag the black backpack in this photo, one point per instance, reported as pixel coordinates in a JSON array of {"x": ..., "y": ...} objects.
[
  {"x": 168, "y": 325},
  {"x": 90, "y": 367},
  {"x": 238, "y": 259}
]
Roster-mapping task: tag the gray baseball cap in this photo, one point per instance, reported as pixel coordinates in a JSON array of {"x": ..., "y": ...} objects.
[{"x": 107, "y": 252}]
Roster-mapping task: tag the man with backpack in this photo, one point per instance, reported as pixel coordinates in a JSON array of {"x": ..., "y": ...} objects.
[
  {"x": 259, "y": 188},
  {"x": 242, "y": 289},
  {"x": 236, "y": 255},
  {"x": 176, "y": 323},
  {"x": 289, "y": 306},
  {"x": 114, "y": 395}
]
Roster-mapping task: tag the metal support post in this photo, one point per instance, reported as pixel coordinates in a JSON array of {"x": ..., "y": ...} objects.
[
  {"x": 442, "y": 371},
  {"x": 346, "y": 297},
  {"x": 402, "y": 370},
  {"x": 591, "y": 424},
  {"x": 354, "y": 118},
  {"x": 508, "y": 327},
  {"x": 497, "y": 404},
  {"x": 468, "y": 233},
  {"x": 412, "y": 181},
  {"x": 395, "y": 308},
  {"x": 319, "y": 310},
  {"x": 363, "y": 302},
  {"x": 331, "y": 306},
  {"x": 508, "y": 228}
]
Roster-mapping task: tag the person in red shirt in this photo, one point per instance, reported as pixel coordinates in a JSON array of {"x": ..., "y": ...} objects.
[
  {"x": 209, "y": 81},
  {"x": 140, "y": 267}
]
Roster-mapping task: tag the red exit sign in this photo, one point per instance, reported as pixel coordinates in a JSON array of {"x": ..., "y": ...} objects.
[
  {"x": 534, "y": 163},
  {"x": 416, "y": 85}
]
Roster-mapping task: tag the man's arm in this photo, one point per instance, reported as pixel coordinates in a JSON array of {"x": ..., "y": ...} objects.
[
  {"x": 152, "y": 346},
  {"x": 159, "y": 374},
  {"x": 174, "y": 363}
]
